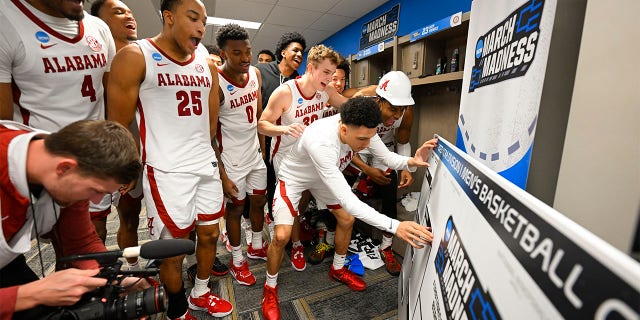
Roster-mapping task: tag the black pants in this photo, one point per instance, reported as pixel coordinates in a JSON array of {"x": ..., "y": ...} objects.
[
  {"x": 17, "y": 272},
  {"x": 271, "y": 178}
]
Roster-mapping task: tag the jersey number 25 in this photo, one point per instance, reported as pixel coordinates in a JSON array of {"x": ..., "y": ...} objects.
[{"x": 189, "y": 102}]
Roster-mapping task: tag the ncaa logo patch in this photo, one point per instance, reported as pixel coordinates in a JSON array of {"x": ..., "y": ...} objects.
[
  {"x": 94, "y": 44},
  {"x": 229, "y": 87},
  {"x": 300, "y": 100},
  {"x": 156, "y": 56},
  {"x": 199, "y": 68},
  {"x": 42, "y": 36}
]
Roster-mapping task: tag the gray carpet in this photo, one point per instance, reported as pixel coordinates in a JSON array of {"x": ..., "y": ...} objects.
[{"x": 309, "y": 294}]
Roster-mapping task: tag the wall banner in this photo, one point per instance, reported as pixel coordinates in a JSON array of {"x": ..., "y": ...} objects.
[
  {"x": 381, "y": 28},
  {"x": 499, "y": 253},
  {"x": 507, "y": 49}
]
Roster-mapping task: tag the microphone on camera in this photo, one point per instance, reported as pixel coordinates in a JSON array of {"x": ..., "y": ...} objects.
[{"x": 156, "y": 249}]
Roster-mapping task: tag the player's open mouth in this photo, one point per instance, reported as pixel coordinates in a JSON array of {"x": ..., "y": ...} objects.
[
  {"x": 195, "y": 41},
  {"x": 131, "y": 26}
]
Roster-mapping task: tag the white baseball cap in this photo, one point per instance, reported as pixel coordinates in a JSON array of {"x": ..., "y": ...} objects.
[{"x": 395, "y": 87}]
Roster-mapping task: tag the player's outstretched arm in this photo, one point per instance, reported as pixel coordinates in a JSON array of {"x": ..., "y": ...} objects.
[
  {"x": 422, "y": 154},
  {"x": 414, "y": 234},
  {"x": 335, "y": 98}
]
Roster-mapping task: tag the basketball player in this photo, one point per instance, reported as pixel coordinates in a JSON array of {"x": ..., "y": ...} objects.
[
  {"x": 315, "y": 163},
  {"x": 294, "y": 105},
  {"x": 393, "y": 96},
  {"x": 58, "y": 58},
  {"x": 289, "y": 50},
  {"x": 170, "y": 82},
  {"x": 120, "y": 20},
  {"x": 242, "y": 170},
  {"x": 122, "y": 24},
  {"x": 326, "y": 238}
]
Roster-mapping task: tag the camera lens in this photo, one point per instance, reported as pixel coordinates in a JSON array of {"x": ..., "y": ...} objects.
[{"x": 140, "y": 303}]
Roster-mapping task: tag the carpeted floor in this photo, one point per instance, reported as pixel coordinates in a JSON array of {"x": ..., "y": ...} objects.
[{"x": 309, "y": 294}]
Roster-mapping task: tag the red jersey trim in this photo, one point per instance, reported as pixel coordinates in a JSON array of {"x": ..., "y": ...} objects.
[
  {"x": 193, "y": 55},
  {"x": 246, "y": 81},
  {"x": 48, "y": 29},
  {"x": 300, "y": 91},
  {"x": 285, "y": 198}
]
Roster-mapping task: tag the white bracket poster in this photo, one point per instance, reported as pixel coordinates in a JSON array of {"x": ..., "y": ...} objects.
[
  {"x": 499, "y": 253},
  {"x": 507, "y": 50}
]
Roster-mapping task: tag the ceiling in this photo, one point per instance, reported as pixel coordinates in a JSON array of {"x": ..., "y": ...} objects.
[{"x": 316, "y": 20}]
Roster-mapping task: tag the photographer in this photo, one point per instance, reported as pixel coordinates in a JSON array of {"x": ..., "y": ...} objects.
[{"x": 46, "y": 182}]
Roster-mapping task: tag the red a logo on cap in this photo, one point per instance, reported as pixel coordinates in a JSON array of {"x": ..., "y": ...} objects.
[{"x": 383, "y": 86}]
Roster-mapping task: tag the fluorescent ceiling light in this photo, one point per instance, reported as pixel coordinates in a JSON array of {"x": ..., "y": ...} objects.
[{"x": 222, "y": 21}]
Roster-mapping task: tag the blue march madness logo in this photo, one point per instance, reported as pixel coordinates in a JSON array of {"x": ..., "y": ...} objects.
[
  {"x": 508, "y": 49},
  {"x": 464, "y": 297}
]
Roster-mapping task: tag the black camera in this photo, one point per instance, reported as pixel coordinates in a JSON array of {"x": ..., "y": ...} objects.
[{"x": 112, "y": 301}]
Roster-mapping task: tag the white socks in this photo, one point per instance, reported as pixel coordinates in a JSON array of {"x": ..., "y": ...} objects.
[
  {"x": 236, "y": 253},
  {"x": 199, "y": 287},
  {"x": 386, "y": 242},
  {"x": 272, "y": 281},
  {"x": 256, "y": 240},
  {"x": 338, "y": 261}
]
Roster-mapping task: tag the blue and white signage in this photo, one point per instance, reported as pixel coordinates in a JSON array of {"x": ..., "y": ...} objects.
[
  {"x": 500, "y": 253},
  {"x": 381, "y": 28},
  {"x": 370, "y": 51},
  {"x": 446, "y": 23}
]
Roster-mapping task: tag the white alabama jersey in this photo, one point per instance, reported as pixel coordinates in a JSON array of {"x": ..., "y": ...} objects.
[
  {"x": 57, "y": 79},
  {"x": 304, "y": 110},
  {"x": 173, "y": 112},
  {"x": 237, "y": 124}
]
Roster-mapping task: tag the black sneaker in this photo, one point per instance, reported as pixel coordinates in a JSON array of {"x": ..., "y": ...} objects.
[{"x": 219, "y": 269}]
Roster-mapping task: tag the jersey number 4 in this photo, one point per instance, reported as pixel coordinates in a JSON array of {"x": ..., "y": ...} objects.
[
  {"x": 87, "y": 89},
  {"x": 188, "y": 103}
]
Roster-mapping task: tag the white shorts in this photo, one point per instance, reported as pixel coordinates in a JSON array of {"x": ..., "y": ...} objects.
[
  {"x": 276, "y": 161},
  {"x": 179, "y": 201},
  {"x": 287, "y": 198},
  {"x": 249, "y": 180}
]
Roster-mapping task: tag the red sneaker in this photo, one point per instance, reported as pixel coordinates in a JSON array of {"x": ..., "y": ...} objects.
[
  {"x": 297, "y": 258},
  {"x": 390, "y": 262},
  {"x": 258, "y": 253},
  {"x": 270, "y": 307},
  {"x": 242, "y": 274},
  {"x": 210, "y": 303},
  {"x": 347, "y": 277},
  {"x": 187, "y": 316}
]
